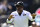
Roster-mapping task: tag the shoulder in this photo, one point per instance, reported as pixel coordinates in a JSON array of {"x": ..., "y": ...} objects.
[
  {"x": 27, "y": 12},
  {"x": 13, "y": 13}
]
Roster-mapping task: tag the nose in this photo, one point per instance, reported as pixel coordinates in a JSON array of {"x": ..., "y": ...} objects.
[{"x": 19, "y": 8}]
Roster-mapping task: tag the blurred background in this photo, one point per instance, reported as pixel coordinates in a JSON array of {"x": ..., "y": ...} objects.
[{"x": 7, "y": 6}]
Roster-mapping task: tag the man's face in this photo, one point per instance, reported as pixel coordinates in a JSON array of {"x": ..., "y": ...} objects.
[{"x": 19, "y": 9}]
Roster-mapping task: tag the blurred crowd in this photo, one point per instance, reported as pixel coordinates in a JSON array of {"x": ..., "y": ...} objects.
[{"x": 7, "y": 6}]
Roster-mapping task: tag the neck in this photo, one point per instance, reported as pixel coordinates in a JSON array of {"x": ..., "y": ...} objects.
[{"x": 20, "y": 13}]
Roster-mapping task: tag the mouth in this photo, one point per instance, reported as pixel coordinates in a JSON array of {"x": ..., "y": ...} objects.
[{"x": 19, "y": 10}]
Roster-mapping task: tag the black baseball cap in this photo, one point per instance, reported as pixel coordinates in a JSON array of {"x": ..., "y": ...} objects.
[{"x": 20, "y": 3}]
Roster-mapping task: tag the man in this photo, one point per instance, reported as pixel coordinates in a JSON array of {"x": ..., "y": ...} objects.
[{"x": 20, "y": 17}]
